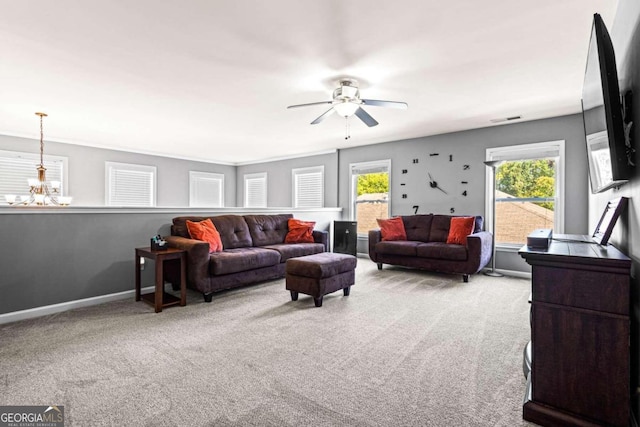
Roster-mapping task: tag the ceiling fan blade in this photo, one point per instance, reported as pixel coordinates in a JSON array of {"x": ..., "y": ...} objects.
[
  {"x": 324, "y": 115},
  {"x": 313, "y": 103},
  {"x": 365, "y": 117},
  {"x": 390, "y": 104}
]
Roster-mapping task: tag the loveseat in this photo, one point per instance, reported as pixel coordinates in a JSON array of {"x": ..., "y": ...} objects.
[
  {"x": 426, "y": 246},
  {"x": 254, "y": 250}
]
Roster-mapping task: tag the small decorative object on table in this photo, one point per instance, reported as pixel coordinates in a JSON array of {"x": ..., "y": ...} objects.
[{"x": 158, "y": 243}]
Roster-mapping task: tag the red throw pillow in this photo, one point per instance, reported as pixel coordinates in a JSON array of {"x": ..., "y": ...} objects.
[
  {"x": 460, "y": 228},
  {"x": 300, "y": 231},
  {"x": 205, "y": 231},
  {"x": 392, "y": 229}
]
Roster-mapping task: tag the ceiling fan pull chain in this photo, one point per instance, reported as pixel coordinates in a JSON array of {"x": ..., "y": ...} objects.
[{"x": 346, "y": 128}]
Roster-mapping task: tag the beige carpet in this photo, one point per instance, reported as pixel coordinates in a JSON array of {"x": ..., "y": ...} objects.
[{"x": 406, "y": 348}]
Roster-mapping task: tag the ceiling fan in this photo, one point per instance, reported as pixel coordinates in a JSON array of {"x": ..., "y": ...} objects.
[{"x": 347, "y": 102}]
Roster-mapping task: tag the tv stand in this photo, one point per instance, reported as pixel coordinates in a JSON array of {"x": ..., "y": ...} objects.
[{"x": 579, "y": 359}]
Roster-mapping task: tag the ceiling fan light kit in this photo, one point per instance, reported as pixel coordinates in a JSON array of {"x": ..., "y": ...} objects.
[{"x": 347, "y": 102}]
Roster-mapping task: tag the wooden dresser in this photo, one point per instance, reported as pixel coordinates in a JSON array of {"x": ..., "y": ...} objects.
[{"x": 579, "y": 334}]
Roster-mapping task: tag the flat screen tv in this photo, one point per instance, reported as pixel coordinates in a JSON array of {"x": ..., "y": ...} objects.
[{"x": 609, "y": 165}]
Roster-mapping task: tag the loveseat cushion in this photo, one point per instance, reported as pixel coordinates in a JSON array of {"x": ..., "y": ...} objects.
[
  {"x": 294, "y": 250},
  {"x": 241, "y": 259},
  {"x": 418, "y": 227},
  {"x": 439, "y": 228},
  {"x": 233, "y": 230},
  {"x": 267, "y": 229},
  {"x": 439, "y": 250},
  {"x": 397, "y": 247}
]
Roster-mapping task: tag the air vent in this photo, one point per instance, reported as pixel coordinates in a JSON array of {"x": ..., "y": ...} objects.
[{"x": 506, "y": 119}]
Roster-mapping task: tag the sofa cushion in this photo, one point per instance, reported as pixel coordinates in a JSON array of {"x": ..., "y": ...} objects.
[
  {"x": 233, "y": 230},
  {"x": 397, "y": 247},
  {"x": 461, "y": 227},
  {"x": 294, "y": 250},
  {"x": 479, "y": 223},
  {"x": 206, "y": 231},
  {"x": 267, "y": 229},
  {"x": 438, "y": 250},
  {"x": 418, "y": 227},
  {"x": 179, "y": 227},
  {"x": 299, "y": 231},
  {"x": 392, "y": 229},
  {"x": 439, "y": 228},
  {"x": 241, "y": 259}
]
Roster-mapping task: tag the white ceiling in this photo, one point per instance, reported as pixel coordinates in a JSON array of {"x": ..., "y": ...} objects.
[{"x": 211, "y": 79}]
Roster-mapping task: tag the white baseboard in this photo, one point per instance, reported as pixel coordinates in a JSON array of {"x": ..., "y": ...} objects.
[{"x": 69, "y": 305}]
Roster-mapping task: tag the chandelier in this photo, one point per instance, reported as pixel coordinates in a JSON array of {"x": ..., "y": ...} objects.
[{"x": 41, "y": 194}]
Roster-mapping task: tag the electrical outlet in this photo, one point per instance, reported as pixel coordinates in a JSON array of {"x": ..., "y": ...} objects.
[{"x": 141, "y": 264}]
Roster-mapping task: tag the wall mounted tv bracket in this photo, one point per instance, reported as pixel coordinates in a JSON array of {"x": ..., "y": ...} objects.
[{"x": 627, "y": 110}]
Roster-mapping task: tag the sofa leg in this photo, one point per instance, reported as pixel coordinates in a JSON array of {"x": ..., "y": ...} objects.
[
  {"x": 208, "y": 297},
  {"x": 346, "y": 291},
  {"x": 379, "y": 266},
  {"x": 318, "y": 301},
  {"x": 465, "y": 278},
  {"x": 294, "y": 295}
]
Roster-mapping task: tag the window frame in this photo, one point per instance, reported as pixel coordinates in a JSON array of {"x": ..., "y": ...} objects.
[
  {"x": 353, "y": 190},
  {"x": 299, "y": 172},
  {"x": 530, "y": 151},
  {"x": 255, "y": 176},
  {"x": 194, "y": 178},
  {"x": 111, "y": 166}
]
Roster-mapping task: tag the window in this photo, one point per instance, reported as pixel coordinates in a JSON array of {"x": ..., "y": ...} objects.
[
  {"x": 16, "y": 168},
  {"x": 206, "y": 190},
  {"x": 130, "y": 185},
  {"x": 308, "y": 187},
  {"x": 529, "y": 192},
  {"x": 370, "y": 193},
  {"x": 255, "y": 190}
]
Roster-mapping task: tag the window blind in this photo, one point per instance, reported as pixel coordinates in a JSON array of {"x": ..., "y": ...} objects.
[
  {"x": 255, "y": 190},
  {"x": 130, "y": 185},
  {"x": 206, "y": 189},
  {"x": 308, "y": 188},
  {"x": 16, "y": 168}
]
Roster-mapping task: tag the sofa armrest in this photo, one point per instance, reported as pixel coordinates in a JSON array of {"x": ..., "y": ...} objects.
[
  {"x": 480, "y": 247},
  {"x": 321, "y": 237},
  {"x": 197, "y": 260},
  {"x": 374, "y": 237}
]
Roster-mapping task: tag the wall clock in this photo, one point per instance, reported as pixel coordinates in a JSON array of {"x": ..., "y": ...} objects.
[{"x": 443, "y": 182}]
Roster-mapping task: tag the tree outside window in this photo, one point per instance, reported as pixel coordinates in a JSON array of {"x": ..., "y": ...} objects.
[{"x": 525, "y": 198}]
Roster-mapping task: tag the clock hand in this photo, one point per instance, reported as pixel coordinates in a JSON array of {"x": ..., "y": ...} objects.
[
  {"x": 441, "y": 190},
  {"x": 432, "y": 183}
]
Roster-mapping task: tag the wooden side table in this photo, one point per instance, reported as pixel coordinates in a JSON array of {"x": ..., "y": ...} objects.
[{"x": 160, "y": 299}]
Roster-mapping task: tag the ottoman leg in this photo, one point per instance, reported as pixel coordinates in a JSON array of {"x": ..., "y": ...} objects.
[
  {"x": 346, "y": 291},
  {"x": 294, "y": 295},
  {"x": 318, "y": 302}
]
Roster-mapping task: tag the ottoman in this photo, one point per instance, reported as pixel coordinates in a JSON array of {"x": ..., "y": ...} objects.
[{"x": 320, "y": 274}]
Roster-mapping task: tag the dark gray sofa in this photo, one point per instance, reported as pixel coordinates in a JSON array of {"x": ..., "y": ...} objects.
[
  {"x": 426, "y": 247},
  {"x": 254, "y": 251}
]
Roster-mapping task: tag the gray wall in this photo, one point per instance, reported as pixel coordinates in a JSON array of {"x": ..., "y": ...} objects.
[
  {"x": 625, "y": 34},
  {"x": 87, "y": 171},
  {"x": 469, "y": 147},
  {"x": 279, "y": 178},
  {"x": 56, "y": 256}
]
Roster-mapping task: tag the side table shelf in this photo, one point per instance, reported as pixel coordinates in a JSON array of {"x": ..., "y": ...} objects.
[{"x": 159, "y": 298}]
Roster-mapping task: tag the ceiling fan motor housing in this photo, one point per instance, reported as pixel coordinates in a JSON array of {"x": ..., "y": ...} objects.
[{"x": 348, "y": 91}]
